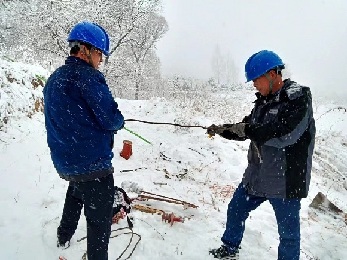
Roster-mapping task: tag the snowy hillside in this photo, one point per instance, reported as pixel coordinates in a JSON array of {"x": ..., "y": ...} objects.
[
  {"x": 181, "y": 163},
  {"x": 21, "y": 90}
]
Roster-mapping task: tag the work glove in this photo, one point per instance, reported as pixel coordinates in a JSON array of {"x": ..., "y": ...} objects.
[
  {"x": 215, "y": 129},
  {"x": 238, "y": 129}
]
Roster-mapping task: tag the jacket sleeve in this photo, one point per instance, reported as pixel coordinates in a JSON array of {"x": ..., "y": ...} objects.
[
  {"x": 293, "y": 120},
  {"x": 99, "y": 98},
  {"x": 231, "y": 135}
]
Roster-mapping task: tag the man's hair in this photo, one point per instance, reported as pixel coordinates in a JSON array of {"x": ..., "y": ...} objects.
[{"x": 76, "y": 47}]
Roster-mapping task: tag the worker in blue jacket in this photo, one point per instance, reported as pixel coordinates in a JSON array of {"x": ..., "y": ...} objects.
[
  {"x": 81, "y": 118},
  {"x": 281, "y": 130}
]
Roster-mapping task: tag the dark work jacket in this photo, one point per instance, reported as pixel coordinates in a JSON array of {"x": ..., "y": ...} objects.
[
  {"x": 282, "y": 130},
  {"x": 80, "y": 116}
]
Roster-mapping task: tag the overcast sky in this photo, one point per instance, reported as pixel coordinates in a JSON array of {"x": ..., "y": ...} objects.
[{"x": 309, "y": 35}]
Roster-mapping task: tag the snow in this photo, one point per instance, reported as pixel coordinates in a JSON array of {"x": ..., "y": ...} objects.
[{"x": 181, "y": 163}]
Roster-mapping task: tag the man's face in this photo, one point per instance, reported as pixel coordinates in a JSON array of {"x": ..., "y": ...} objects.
[
  {"x": 96, "y": 57},
  {"x": 93, "y": 56},
  {"x": 262, "y": 84}
]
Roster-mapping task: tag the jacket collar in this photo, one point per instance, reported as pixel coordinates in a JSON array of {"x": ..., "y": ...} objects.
[
  {"x": 274, "y": 96},
  {"x": 76, "y": 60}
]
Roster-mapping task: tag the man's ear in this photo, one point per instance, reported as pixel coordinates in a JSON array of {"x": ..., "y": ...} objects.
[
  {"x": 83, "y": 49},
  {"x": 273, "y": 74}
]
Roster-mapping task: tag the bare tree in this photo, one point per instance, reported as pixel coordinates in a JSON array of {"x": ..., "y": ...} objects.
[
  {"x": 224, "y": 69},
  {"x": 39, "y": 29},
  {"x": 151, "y": 30},
  {"x": 231, "y": 71},
  {"x": 218, "y": 64}
]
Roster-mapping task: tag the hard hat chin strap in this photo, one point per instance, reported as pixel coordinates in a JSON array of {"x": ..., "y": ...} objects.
[
  {"x": 271, "y": 82},
  {"x": 90, "y": 60},
  {"x": 89, "y": 56}
]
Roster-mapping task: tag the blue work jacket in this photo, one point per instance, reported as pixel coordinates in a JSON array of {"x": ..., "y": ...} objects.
[{"x": 81, "y": 117}]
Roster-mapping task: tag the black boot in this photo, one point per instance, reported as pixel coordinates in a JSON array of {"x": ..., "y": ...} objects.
[{"x": 224, "y": 253}]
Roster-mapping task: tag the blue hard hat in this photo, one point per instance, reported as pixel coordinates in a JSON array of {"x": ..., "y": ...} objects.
[
  {"x": 92, "y": 34},
  {"x": 260, "y": 63}
]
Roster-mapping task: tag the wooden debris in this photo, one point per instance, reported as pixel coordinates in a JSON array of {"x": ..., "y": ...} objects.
[
  {"x": 151, "y": 196},
  {"x": 321, "y": 201},
  {"x": 147, "y": 209}
]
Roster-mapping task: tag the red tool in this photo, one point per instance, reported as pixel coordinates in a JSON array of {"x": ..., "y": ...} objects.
[
  {"x": 171, "y": 218},
  {"x": 127, "y": 149}
]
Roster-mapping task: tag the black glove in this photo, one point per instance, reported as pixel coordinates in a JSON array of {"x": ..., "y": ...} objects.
[
  {"x": 215, "y": 129},
  {"x": 238, "y": 129},
  {"x": 246, "y": 119}
]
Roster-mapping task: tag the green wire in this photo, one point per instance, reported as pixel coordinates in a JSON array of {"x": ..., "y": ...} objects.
[{"x": 139, "y": 136}]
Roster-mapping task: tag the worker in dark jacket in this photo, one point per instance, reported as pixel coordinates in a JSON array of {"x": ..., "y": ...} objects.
[
  {"x": 281, "y": 129},
  {"x": 81, "y": 118}
]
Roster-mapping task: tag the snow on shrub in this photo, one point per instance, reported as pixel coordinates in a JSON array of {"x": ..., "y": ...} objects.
[{"x": 21, "y": 88}]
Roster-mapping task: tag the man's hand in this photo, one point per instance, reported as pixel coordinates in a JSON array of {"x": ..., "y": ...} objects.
[
  {"x": 215, "y": 129},
  {"x": 115, "y": 132},
  {"x": 238, "y": 129}
]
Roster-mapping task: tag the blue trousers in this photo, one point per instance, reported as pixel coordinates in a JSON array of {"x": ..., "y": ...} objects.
[
  {"x": 287, "y": 213},
  {"x": 97, "y": 197}
]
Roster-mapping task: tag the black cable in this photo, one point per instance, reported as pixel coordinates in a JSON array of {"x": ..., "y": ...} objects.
[
  {"x": 127, "y": 247},
  {"x": 131, "y": 239}
]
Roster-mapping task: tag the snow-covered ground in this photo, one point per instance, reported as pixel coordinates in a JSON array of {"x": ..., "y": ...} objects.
[{"x": 180, "y": 163}]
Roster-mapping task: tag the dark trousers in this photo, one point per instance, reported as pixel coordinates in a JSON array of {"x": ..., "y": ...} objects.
[
  {"x": 287, "y": 216},
  {"x": 97, "y": 197}
]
